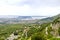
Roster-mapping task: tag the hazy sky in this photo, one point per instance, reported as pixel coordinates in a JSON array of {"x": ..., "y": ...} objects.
[{"x": 30, "y": 7}]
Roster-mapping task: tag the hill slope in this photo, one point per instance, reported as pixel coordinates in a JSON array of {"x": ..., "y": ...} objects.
[{"x": 49, "y": 19}]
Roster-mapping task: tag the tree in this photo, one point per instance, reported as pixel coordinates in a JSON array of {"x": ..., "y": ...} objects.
[
  {"x": 39, "y": 36},
  {"x": 59, "y": 31}
]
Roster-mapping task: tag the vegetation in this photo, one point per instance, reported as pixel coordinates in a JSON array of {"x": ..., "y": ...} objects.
[
  {"x": 39, "y": 36},
  {"x": 31, "y": 31}
]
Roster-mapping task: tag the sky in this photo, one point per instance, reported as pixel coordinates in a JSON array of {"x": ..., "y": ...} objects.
[{"x": 30, "y": 7}]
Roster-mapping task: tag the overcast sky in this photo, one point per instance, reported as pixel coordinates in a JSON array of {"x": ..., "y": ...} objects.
[{"x": 30, "y": 7}]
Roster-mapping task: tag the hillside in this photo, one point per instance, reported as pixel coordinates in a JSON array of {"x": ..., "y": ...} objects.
[
  {"x": 49, "y": 19},
  {"x": 27, "y": 19},
  {"x": 46, "y": 31}
]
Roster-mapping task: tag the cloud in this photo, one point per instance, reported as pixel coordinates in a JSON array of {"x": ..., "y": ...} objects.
[
  {"x": 32, "y": 3},
  {"x": 30, "y": 7},
  {"x": 40, "y": 3}
]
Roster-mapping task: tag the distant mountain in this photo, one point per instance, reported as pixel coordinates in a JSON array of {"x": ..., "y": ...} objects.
[
  {"x": 30, "y": 17},
  {"x": 48, "y": 19},
  {"x": 24, "y": 17},
  {"x": 27, "y": 19},
  {"x": 19, "y": 19}
]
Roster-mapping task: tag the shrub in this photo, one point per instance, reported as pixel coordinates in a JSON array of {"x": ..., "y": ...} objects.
[{"x": 39, "y": 36}]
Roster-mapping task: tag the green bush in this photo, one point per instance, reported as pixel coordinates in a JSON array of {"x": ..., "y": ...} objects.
[
  {"x": 49, "y": 36},
  {"x": 55, "y": 39},
  {"x": 39, "y": 36}
]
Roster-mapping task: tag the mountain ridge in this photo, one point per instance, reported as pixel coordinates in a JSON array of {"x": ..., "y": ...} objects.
[{"x": 28, "y": 19}]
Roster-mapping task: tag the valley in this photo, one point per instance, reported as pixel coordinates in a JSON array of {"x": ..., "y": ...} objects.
[{"x": 44, "y": 29}]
